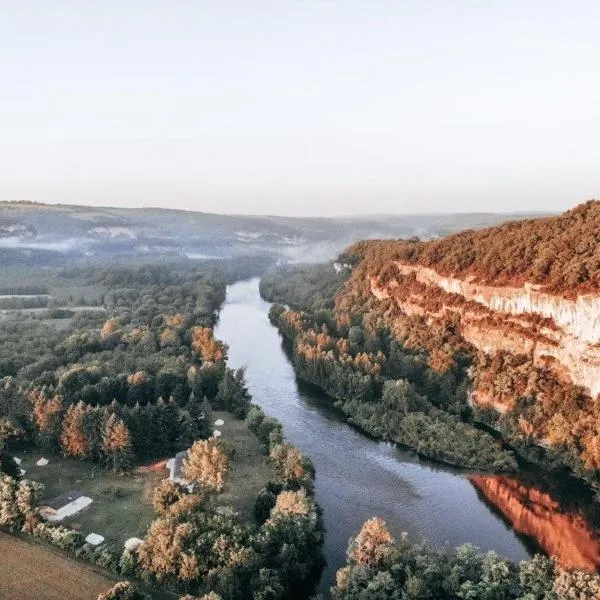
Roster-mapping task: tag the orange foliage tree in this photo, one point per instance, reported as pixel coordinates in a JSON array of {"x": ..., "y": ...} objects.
[
  {"x": 372, "y": 543},
  {"x": 206, "y": 464},
  {"x": 73, "y": 439}
]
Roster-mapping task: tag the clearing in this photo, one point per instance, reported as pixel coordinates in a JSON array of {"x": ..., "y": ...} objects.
[
  {"x": 121, "y": 505},
  {"x": 249, "y": 470}
]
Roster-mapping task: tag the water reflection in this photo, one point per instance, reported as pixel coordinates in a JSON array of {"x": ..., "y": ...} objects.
[{"x": 560, "y": 530}]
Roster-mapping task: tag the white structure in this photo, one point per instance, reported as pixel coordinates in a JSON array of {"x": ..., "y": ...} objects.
[
  {"x": 132, "y": 543},
  {"x": 174, "y": 466},
  {"x": 219, "y": 422},
  {"x": 17, "y": 460},
  {"x": 42, "y": 462},
  {"x": 94, "y": 539},
  {"x": 65, "y": 505},
  {"x": 216, "y": 433}
]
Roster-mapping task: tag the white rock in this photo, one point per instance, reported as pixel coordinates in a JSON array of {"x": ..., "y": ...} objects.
[
  {"x": 17, "y": 460},
  {"x": 42, "y": 462},
  {"x": 22, "y": 471},
  {"x": 94, "y": 539},
  {"x": 219, "y": 422},
  {"x": 216, "y": 433}
]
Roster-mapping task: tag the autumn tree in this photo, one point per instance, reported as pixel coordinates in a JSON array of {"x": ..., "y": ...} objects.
[
  {"x": 28, "y": 496},
  {"x": 123, "y": 590},
  {"x": 372, "y": 543},
  {"x": 206, "y": 464},
  {"x": 110, "y": 328},
  {"x": 9, "y": 511},
  {"x": 46, "y": 411},
  {"x": 73, "y": 439},
  {"x": 116, "y": 444},
  {"x": 296, "y": 470},
  {"x": 165, "y": 494},
  {"x": 291, "y": 503},
  {"x": 205, "y": 344}
]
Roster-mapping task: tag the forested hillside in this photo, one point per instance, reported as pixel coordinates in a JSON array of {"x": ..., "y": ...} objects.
[{"x": 498, "y": 326}]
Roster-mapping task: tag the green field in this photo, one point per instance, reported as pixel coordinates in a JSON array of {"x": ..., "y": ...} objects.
[
  {"x": 121, "y": 505},
  {"x": 249, "y": 467}
]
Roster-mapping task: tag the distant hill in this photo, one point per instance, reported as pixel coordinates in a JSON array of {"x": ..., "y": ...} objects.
[{"x": 53, "y": 234}]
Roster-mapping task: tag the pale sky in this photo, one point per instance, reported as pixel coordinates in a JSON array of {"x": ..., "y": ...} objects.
[{"x": 301, "y": 107}]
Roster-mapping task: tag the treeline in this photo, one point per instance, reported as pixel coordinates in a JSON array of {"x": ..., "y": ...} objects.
[
  {"x": 130, "y": 386},
  {"x": 380, "y": 568},
  {"x": 390, "y": 391},
  {"x": 304, "y": 287}
]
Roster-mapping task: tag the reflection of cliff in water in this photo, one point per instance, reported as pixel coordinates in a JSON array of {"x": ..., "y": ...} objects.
[{"x": 559, "y": 528}]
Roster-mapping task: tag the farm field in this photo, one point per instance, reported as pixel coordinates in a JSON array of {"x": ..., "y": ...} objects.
[{"x": 32, "y": 571}]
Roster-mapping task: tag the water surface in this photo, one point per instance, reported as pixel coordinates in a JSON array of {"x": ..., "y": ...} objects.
[{"x": 356, "y": 477}]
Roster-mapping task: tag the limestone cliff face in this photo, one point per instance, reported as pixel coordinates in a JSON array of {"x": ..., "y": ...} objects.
[
  {"x": 532, "y": 512},
  {"x": 558, "y": 333}
]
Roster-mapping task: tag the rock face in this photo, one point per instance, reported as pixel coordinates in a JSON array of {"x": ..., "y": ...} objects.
[
  {"x": 520, "y": 301},
  {"x": 558, "y": 333},
  {"x": 534, "y": 513}
]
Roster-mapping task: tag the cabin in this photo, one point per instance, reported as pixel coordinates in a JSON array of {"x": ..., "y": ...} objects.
[{"x": 65, "y": 505}]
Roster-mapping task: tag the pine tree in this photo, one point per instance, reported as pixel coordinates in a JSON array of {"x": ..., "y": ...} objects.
[
  {"x": 46, "y": 415},
  {"x": 73, "y": 439},
  {"x": 116, "y": 444}
]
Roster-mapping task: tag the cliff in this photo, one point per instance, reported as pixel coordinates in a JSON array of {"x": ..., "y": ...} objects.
[{"x": 523, "y": 299}]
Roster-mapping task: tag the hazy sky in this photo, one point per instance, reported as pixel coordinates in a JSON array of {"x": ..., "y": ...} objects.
[{"x": 301, "y": 106}]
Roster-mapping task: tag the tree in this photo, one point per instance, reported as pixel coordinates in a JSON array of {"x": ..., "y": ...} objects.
[
  {"x": 291, "y": 503},
  {"x": 46, "y": 414},
  {"x": 27, "y": 498},
  {"x": 166, "y": 493},
  {"x": 116, "y": 444},
  {"x": 204, "y": 343},
  {"x": 110, "y": 328},
  {"x": 73, "y": 440},
  {"x": 206, "y": 464},
  {"x": 9, "y": 511},
  {"x": 233, "y": 394},
  {"x": 7, "y": 464},
  {"x": 372, "y": 543},
  {"x": 123, "y": 590}
]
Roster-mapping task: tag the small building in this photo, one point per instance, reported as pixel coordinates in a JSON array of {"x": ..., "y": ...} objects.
[
  {"x": 174, "y": 465},
  {"x": 65, "y": 505}
]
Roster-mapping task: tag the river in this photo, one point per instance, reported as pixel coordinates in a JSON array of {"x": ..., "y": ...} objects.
[{"x": 357, "y": 477}]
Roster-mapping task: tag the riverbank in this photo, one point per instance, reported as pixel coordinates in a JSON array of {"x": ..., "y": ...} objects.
[{"x": 356, "y": 476}]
